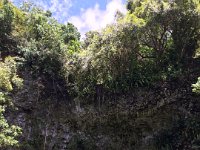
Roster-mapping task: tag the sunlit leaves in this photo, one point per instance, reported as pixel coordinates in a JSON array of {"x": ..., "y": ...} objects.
[
  {"x": 131, "y": 18},
  {"x": 8, "y": 74},
  {"x": 8, "y": 79},
  {"x": 196, "y": 86}
]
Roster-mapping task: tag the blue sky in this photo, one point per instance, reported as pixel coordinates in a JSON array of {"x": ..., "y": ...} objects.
[{"x": 84, "y": 14}]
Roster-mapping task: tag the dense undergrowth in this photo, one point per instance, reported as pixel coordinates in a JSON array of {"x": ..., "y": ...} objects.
[{"x": 132, "y": 85}]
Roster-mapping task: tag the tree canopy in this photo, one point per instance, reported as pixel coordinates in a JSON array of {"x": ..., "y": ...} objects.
[{"x": 130, "y": 85}]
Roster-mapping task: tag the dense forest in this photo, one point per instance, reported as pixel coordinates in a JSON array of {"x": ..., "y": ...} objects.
[{"x": 134, "y": 85}]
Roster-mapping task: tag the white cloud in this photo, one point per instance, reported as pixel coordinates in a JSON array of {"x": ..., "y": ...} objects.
[
  {"x": 92, "y": 18},
  {"x": 95, "y": 18},
  {"x": 59, "y": 8}
]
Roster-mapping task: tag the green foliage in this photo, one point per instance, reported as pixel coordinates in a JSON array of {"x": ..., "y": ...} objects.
[
  {"x": 46, "y": 44},
  {"x": 8, "y": 132},
  {"x": 6, "y": 18},
  {"x": 70, "y": 33},
  {"x": 106, "y": 58},
  {"x": 8, "y": 75},
  {"x": 8, "y": 79},
  {"x": 152, "y": 44},
  {"x": 196, "y": 86},
  {"x": 155, "y": 41},
  {"x": 173, "y": 23}
]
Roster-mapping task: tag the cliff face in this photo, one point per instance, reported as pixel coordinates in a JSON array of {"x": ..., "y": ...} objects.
[
  {"x": 127, "y": 86},
  {"x": 163, "y": 116}
]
